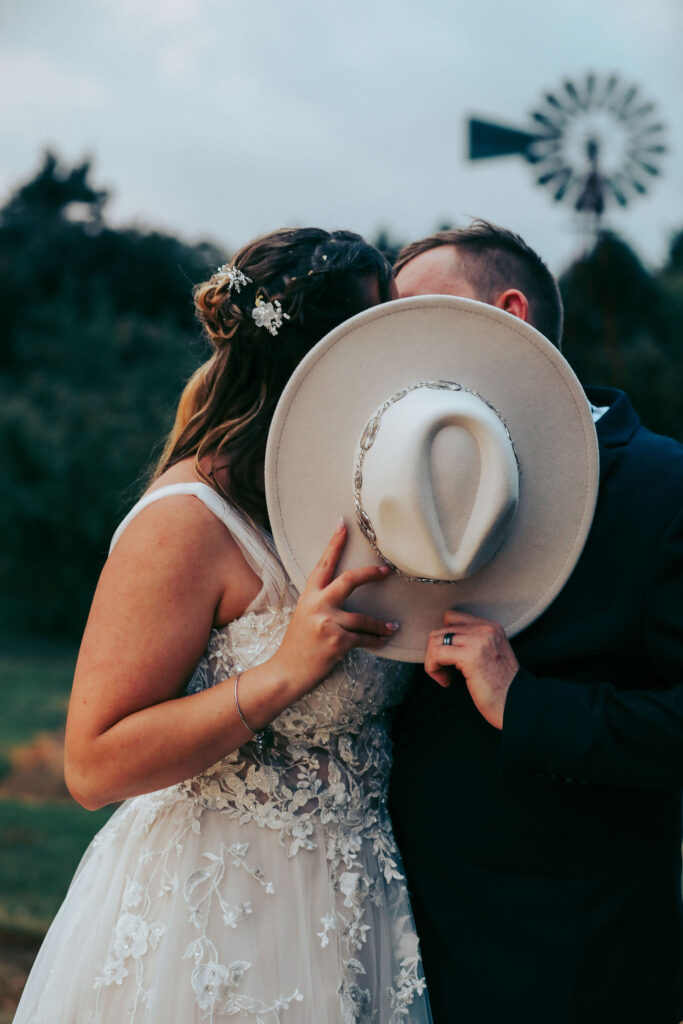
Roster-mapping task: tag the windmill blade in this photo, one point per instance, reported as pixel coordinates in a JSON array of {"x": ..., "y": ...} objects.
[
  {"x": 583, "y": 94},
  {"x": 617, "y": 184},
  {"x": 650, "y": 129},
  {"x": 552, "y": 172},
  {"x": 635, "y": 177},
  {"x": 571, "y": 91},
  {"x": 621, "y": 108},
  {"x": 543, "y": 149},
  {"x": 553, "y": 101},
  {"x": 650, "y": 168},
  {"x": 564, "y": 180},
  {"x": 638, "y": 185},
  {"x": 610, "y": 86},
  {"x": 636, "y": 115},
  {"x": 648, "y": 149},
  {"x": 552, "y": 125}
]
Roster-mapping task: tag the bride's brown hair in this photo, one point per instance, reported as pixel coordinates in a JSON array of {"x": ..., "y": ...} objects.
[{"x": 320, "y": 278}]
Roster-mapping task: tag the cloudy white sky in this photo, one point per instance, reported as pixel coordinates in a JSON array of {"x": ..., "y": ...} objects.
[{"x": 220, "y": 119}]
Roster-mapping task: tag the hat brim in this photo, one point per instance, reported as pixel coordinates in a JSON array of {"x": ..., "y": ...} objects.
[{"x": 314, "y": 436}]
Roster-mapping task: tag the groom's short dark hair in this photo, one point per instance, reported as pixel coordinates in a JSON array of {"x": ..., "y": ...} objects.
[{"x": 494, "y": 259}]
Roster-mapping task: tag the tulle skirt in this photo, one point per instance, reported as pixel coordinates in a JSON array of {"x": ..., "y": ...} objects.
[{"x": 179, "y": 913}]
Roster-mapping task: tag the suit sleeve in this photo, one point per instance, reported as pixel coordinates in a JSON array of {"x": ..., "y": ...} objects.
[{"x": 596, "y": 734}]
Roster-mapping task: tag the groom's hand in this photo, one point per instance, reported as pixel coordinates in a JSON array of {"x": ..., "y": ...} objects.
[{"x": 481, "y": 651}]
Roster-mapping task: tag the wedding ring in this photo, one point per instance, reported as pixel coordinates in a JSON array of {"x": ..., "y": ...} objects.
[{"x": 447, "y": 639}]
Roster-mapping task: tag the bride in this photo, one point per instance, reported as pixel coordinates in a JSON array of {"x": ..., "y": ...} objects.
[{"x": 250, "y": 873}]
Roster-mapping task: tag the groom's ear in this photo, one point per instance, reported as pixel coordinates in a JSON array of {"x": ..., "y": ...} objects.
[{"x": 515, "y": 302}]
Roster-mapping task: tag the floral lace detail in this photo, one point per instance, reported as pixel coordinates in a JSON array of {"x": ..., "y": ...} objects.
[
  {"x": 410, "y": 983},
  {"x": 216, "y": 985},
  {"x": 326, "y": 775},
  {"x": 330, "y": 760},
  {"x": 140, "y": 928},
  {"x": 134, "y": 934}
]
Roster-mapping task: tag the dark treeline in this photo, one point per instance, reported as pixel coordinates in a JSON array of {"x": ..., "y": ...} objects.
[{"x": 98, "y": 337}]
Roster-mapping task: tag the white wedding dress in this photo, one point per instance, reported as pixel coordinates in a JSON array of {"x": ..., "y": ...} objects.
[{"x": 267, "y": 889}]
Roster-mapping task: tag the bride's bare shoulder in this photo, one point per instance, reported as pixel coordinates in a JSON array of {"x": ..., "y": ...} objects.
[
  {"x": 182, "y": 472},
  {"x": 178, "y": 535}
]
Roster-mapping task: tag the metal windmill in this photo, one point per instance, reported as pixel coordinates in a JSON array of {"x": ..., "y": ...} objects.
[{"x": 591, "y": 143}]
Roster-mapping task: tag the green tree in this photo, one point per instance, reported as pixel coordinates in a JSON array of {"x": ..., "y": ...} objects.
[
  {"x": 622, "y": 328},
  {"x": 387, "y": 244},
  {"x": 99, "y": 337}
]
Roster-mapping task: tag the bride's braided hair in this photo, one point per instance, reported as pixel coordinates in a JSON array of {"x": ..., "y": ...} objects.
[{"x": 320, "y": 278}]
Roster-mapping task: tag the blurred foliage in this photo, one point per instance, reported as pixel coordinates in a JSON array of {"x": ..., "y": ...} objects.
[
  {"x": 33, "y": 883},
  {"x": 98, "y": 337},
  {"x": 388, "y": 244},
  {"x": 624, "y": 327},
  {"x": 35, "y": 693},
  {"x": 43, "y": 833}
]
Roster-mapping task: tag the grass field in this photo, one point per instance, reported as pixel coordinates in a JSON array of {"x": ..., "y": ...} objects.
[
  {"x": 41, "y": 840},
  {"x": 35, "y": 686},
  {"x": 40, "y": 847}
]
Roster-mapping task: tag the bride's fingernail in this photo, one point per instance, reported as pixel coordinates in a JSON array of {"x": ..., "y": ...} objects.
[
  {"x": 385, "y": 570},
  {"x": 393, "y": 626},
  {"x": 340, "y": 525}
]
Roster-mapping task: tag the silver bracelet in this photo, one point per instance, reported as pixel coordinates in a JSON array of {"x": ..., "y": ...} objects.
[{"x": 263, "y": 738}]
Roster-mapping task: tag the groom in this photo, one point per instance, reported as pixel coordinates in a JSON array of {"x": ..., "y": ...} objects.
[{"x": 537, "y": 798}]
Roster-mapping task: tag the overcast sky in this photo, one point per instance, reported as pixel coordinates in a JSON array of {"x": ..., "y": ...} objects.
[{"x": 221, "y": 119}]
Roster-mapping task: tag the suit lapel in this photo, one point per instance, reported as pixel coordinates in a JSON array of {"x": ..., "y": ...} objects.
[{"x": 616, "y": 427}]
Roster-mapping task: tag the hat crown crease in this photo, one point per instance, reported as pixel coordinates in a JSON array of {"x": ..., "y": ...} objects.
[{"x": 399, "y": 490}]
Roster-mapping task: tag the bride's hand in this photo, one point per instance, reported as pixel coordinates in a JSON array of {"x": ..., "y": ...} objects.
[{"x": 321, "y": 632}]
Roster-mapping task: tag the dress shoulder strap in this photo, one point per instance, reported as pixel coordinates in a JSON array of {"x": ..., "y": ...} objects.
[{"x": 255, "y": 543}]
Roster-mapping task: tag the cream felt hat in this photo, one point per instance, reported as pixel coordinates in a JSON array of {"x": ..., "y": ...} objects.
[{"x": 458, "y": 446}]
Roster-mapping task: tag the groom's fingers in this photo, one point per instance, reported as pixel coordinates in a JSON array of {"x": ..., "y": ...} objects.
[
  {"x": 459, "y": 639},
  {"x": 481, "y": 651},
  {"x": 463, "y": 641},
  {"x": 440, "y": 659}
]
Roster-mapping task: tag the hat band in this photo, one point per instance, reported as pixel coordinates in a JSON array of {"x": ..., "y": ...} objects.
[{"x": 366, "y": 442}]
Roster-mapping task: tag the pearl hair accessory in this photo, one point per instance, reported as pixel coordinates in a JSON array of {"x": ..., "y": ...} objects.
[
  {"x": 268, "y": 314},
  {"x": 233, "y": 275}
]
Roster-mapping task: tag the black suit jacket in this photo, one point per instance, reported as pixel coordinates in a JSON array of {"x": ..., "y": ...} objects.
[{"x": 545, "y": 861}]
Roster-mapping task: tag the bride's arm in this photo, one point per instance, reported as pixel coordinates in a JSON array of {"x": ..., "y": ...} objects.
[{"x": 129, "y": 729}]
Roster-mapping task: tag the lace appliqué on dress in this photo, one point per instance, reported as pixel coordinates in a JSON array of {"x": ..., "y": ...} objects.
[
  {"x": 324, "y": 779},
  {"x": 216, "y": 985}
]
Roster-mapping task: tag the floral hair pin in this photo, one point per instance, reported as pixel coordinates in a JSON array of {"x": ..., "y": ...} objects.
[
  {"x": 233, "y": 275},
  {"x": 268, "y": 314}
]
